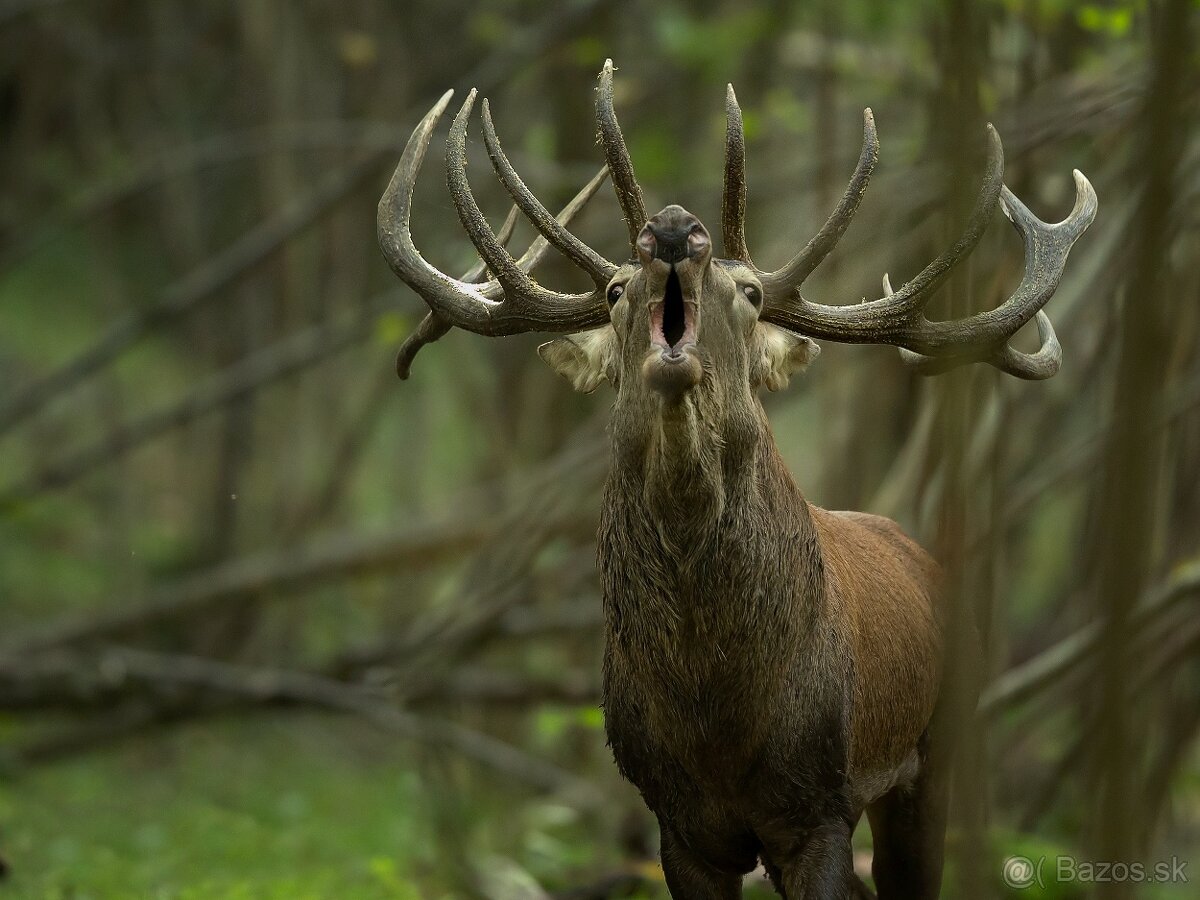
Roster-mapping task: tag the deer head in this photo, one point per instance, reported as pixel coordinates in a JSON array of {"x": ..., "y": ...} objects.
[{"x": 675, "y": 318}]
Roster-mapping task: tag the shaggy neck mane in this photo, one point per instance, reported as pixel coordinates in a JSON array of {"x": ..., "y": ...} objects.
[
  {"x": 698, "y": 480},
  {"x": 704, "y": 542}
]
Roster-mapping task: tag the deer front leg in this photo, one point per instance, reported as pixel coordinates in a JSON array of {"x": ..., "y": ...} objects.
[{"x": 812, "y": 864}]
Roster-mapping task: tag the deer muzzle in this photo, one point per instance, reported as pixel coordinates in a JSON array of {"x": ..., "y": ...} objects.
[
  {"x": 673, "y": 235},
  {"x": 674, "y": 250}
]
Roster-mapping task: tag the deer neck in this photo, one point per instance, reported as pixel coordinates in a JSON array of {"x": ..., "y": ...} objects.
[
  {"x": 706, "y": 550},
  {"x": 695, "y": 479}
]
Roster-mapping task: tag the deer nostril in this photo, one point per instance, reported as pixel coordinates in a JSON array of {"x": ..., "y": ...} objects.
[
  {"x": 646, "y": 244},
  {"x": 673, "y": 235},
  {"x": 671, "y": 243}
]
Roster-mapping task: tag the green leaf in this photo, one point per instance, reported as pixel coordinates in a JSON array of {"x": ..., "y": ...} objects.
[{"x": 391, "y": 328}]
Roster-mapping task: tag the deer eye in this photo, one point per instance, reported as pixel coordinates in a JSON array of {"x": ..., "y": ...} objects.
[
  {"x": 753, "y": 294},
  {"x": 614, "y": 294}
]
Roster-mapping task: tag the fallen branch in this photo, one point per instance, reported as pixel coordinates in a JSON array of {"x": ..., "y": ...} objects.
[
  {"x": 411, "y": 547},
  {"x": 257, "y": 686},
  {"x": 76, "y": 681}
]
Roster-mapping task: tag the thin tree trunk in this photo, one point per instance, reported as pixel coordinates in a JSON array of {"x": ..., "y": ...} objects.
[{"x": 1131, "y": 465}]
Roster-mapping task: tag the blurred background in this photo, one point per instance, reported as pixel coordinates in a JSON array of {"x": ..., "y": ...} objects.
[{"x": 276, "y": 624}]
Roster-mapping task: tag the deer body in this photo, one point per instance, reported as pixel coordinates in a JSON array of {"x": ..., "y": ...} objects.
[
  {"x": 772, "y": 670},
  {"x": 770, "y": 667}
]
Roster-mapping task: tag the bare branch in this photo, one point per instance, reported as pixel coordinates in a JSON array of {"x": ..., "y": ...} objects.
[
  {"x": 411, "y": 547},
  {"x": 272, "y": 685},
  {"x": 295, "y": 353},
  {"x": 1023, "y": 681},
  {"x": 201, "y": 284}
]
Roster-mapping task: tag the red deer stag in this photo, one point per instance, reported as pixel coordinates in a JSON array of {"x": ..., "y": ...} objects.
[{"x": 771, "y": 669}]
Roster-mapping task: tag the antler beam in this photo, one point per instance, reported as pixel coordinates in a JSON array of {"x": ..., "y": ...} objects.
[{"x": 898, "y": 317}]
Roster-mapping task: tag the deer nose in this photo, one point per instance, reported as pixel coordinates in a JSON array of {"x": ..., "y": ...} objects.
[{"x": 673, "y": 235}]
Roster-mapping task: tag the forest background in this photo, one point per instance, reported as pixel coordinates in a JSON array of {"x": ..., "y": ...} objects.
[{"x": 275, "y": 624}]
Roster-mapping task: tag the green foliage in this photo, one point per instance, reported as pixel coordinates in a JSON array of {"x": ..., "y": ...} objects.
[
  {"x": 552, "y": 723},
  {"x": 1113, "y": 21},
  {"x": 302, "y": 806},
  {"x": 709, "y": 44},
  {"x": 218, "y": 811},
  {"x": 391, "y": 328}
]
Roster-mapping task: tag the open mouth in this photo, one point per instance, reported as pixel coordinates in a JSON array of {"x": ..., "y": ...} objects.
[{"x": 673, "y": 320}]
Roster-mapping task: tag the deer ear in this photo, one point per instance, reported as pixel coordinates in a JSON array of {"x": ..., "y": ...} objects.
[
  {"x": 584, "y": 359},
  {"x": 779, "y": 354}
]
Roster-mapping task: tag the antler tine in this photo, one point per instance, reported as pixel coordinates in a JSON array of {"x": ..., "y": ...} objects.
[
  {"x": 504, "y": 235},
  {"x": 597, "y": 267},
  {"x": 782, "y": 284},
  {"x": 430, "y": 329},
  {"x": 733, "y": 197},
  {"x": 535, "y": 308},
  {"x": 629, "y": 193},
  {"x": 894, "y": 316},
  {"x": 458, "y": 302},
  {"x": 433, "y": 326},
  {"x": 537, "y": 250},
  {"x": 984, "y": 337},
  {"x": 918, "y": 291},
  {"x": 395, "y": 206},
  {"x": 504, "y": 268},
  {"x": 1036, "y": 366}
]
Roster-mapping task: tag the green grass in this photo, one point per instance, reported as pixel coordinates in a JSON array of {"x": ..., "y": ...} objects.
[
  {"x": 288, "y": 805},
  {"x": 277, "y": 808},
  {"x": 309, "y": 807}
]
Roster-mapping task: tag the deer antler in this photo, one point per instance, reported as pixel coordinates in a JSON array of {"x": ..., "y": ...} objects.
[
  {"x": 787, "y": 279},
  {"x": 510, "y": 302},
  {"x": 433, "y": 327},
  {"x": 599, "y": 268},
  {"x": 733, "y": 197},
  {"x": 898, "y": 317}
]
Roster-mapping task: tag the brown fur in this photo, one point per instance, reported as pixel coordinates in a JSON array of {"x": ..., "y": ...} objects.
[{"x": 885, "y": 585}]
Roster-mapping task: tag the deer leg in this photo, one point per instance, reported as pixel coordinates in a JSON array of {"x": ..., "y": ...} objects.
[
  {"x": 690, "y": 876},
  {"x": 816, "y": 866},
  {"x": 908, "y": 828}
]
